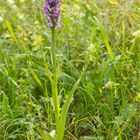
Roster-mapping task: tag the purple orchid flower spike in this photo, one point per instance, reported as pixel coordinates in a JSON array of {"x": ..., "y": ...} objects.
[{"x": 52, "y": 13}]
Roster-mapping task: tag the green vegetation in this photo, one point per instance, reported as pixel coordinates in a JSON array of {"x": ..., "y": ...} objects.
[{"x": 98, "y": 52}]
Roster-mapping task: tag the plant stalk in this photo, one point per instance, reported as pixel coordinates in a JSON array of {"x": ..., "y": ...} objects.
[{"x": 55, "y": 82}]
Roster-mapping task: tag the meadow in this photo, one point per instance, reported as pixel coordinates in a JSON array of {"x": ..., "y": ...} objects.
[{"x": 98, "y": 67}]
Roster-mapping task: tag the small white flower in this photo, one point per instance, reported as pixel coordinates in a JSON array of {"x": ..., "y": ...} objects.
[
  {"x": 52, "y": 133},
  {"x": 1, "y": 19}
]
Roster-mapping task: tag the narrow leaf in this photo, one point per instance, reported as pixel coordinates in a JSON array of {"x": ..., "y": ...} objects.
[
  {"x": 37, "y": 80},
  {"x": 11, "y": 31},
  {"x": 65, "y": 110}
]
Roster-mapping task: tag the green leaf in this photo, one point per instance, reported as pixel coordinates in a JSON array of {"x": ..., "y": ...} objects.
[
  {"x": 45, "y": 135},
  {"x": 11, "y": 31},
  {"x": 64, "y": 111},
  {"x": 91, "y": 138},
  {"x": 5, "y": 106},
  {"x": 37, "y": 80},
  {"x": 104, "y": 36}
]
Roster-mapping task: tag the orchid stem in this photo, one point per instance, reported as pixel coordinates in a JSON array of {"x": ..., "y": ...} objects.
[{"x": 55, "y": 81}]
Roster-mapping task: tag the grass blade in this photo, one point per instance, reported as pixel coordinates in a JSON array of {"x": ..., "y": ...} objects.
[
  {"x": 37, "y": 80},
  {"x": 11, "y": 31},
  {"x": 64, "y": 112}
]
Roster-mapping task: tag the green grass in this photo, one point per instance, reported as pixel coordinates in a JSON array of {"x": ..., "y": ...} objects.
[{"x": 98, "y": 42}]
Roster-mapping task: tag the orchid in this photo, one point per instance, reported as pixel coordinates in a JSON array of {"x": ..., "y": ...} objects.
[{"x": 52, "y": 13}]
